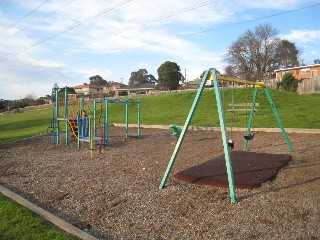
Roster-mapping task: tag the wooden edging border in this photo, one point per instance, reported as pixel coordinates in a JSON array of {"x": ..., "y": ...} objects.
[
  {"x": 65, "y": 226},
  {"x": 288, "y": 130}
]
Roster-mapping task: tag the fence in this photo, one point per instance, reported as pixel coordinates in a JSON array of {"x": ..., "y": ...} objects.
[{"x": 306, "y": 86}]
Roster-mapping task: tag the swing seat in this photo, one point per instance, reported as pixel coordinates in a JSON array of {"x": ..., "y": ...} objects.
[
  {"x": 231, "y": 144},
  {"x": 249, "y": 136}
]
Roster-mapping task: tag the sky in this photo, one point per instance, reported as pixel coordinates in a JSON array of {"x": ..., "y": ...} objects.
[{"x": 43, "y": 42}]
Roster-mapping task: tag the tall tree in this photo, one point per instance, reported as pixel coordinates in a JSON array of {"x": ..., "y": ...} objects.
[
  {"x": 316, "y": 61},
  {"x": 253, "y": 54},
  {"x": 141, "y": 76},
  {"x": 97, "y": 80},
  {"x": 169, "y": 76},
  {"x": 286, "y": 55}
]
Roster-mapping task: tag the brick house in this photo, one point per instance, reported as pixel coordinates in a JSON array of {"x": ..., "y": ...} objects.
[
  {"x": 89, "y": 89},
  {"x": 142, "y": 88},
  {"x": 112, "y": 86},
  {"x": 302, "y": 72}
]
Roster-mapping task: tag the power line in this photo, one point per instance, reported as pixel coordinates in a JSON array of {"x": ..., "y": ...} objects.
[
  {"x": 24, "y": 16},
  {"x": 185, "y": 35},
  {"x": 195, "y": 33},
  {"x": 150, "y": 21},
  {"x": 39, "y": 20},
  {"x": 116, "y": 7}
]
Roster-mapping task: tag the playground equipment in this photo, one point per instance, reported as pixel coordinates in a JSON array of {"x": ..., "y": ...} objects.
[
  {"x": 213, "y": 74},
  {"x": 176, "y": 130},
  {"x": 83, "y": 123}
]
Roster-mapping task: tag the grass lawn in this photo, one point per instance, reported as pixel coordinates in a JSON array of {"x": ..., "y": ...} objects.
[
  {"x": 296, "y": 111},
  {"x": 17, "y": 222}
]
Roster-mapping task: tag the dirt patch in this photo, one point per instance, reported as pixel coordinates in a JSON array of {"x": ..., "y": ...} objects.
[{"x": 116, "y": 195}]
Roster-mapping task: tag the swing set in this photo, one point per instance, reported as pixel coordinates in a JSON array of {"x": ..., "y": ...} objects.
[{"x": 228, "y": 144}]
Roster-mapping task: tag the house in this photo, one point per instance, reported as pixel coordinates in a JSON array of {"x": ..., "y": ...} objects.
[
  {"x": 302, "y": 72},
  {"x": 143, "y": 88},
  {"x": 196, "y": 83},
  {"x": 111, "y": 86},
  {"x": 88, "y": 89}
]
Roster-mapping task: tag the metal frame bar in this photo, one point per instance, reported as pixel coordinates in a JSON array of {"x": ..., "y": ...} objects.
[
  {"x": 184, "y": 131},
  {"x": 275, "y": 111},
  {"x": 226, "y": 149}
]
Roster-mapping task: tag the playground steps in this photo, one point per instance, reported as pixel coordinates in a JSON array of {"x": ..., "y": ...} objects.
[{"x": 73, "y": 125}]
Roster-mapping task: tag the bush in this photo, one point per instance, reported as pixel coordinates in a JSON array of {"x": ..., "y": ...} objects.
[
  {"x": 288, "y": 83},
  {"x": 123, "y": 93}
]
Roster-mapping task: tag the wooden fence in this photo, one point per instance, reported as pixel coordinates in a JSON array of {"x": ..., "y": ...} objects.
[{"x": 306, "y": 86}]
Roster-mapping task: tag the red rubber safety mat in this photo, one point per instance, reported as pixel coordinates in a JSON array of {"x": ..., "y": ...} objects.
[{"x": 250, "y": 170}]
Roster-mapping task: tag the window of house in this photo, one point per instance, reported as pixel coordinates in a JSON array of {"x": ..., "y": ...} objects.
[{"x": 305, "y": 70}]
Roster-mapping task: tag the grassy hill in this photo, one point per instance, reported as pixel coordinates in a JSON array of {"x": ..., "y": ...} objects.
[{"x": 296, "y": 111}]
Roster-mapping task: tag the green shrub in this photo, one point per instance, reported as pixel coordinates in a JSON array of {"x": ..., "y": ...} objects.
[{"x": 288, "y": 83}]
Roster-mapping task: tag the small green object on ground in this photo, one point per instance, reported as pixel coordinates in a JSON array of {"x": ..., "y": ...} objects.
[{"x": 176, "y": 130}]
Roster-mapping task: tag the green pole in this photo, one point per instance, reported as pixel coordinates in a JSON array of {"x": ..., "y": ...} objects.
[
  {"x": 82, "y": 105},
  {"x": 79, "y": 130},
  {"x": 254, "y": 99},
  {"x": 278, "y": 118},
  {"x": 138, "y": 118},
  {"x": 57, "y": 116},
  {"x": 224, "y": 137},
  {"x": 107, "y": 122},
  {"x": 127, "y": 120},
  {"x": 184, "y": 131},
  {"x": 94, "y": 118},
  {"x": 66, "y": 114}
]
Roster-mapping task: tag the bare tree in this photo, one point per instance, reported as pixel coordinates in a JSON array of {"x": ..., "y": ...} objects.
[{"x": 252, "y": 55}]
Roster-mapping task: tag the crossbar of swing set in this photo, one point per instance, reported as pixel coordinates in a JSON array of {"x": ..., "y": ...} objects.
[{"x": 241, "y": 81}]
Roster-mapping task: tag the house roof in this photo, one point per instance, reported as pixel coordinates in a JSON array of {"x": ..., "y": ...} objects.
[
  {"x": 138, "y": 86},
  {"x": 292, "y": 68},
  {"x": 86, "y": 85}
]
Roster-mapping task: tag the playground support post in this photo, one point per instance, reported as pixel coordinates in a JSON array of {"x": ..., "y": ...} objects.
[
  {"x": 106, "y": 130},
  {"x": 94, "y": 118},
  {"x": 66, "y": 114},
  {"x": 224, "y": 137},
  {"x": 56, "y": 90},
  {"x": 184, "y": 131},
  {"x": 275, "y": 111},
  {"x": 127, "y": 120},
  {"x": 138, "y": 110}
]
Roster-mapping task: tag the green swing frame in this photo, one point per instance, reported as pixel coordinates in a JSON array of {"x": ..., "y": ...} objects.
[{"x": 213, "y": 74}]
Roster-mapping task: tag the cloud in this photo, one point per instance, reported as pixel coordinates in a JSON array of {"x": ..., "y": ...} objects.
[
  {"x": 273, "y": 4},
  {"x": 303, "y": 36}
]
